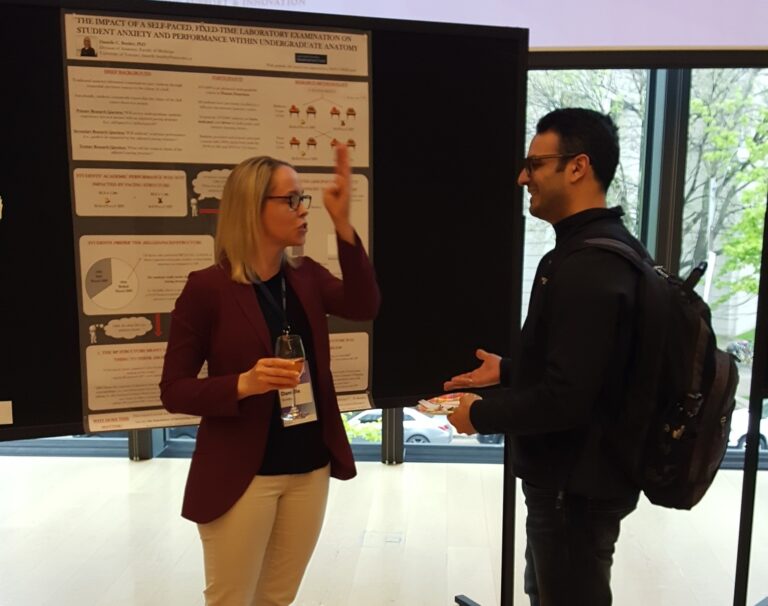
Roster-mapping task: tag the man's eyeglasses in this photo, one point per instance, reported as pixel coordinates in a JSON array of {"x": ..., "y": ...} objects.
[
  {"x": 294, "y": 200},
  {"x": 531, "y": 163}
]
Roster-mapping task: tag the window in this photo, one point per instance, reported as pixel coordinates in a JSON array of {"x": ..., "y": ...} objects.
[
  {"x": 726, "y": 185},
  {"x": 725, "y": 194},
  {"x": 620, "y": 93}
]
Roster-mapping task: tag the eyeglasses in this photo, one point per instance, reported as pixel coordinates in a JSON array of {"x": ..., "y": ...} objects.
[
  {"x": 531, "y": 163},
  {"x": 294, "y": 200}
]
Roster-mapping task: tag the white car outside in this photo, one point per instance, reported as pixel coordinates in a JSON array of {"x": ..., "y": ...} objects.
[
  {"x": 739, "y": 423},
  {"x": 418, "y": 428}
]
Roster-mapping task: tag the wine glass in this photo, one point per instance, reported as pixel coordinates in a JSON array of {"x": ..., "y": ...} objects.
[{"x": 291, "y": 348}]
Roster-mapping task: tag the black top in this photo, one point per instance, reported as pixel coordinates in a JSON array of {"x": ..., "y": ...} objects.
[
  {"x": 576, "y": 348},
  {"x": 299, "y": 448}
]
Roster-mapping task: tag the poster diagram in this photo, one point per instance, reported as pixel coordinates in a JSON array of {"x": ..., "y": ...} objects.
[
  {"x": 159, "y": 112},
  {"x": 130, "y": 193},
  {"x": 122, "y": 329},
  {"x": 138, "y": 274},
  {"x": 158, "y": 116},
  {"x": 111, "y": 283},
  {"x": 207, "y": 189},
  {"x": 323, "y": 122}
]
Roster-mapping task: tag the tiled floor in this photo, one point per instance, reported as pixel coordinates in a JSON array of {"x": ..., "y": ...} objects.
[{"x": 89, "y": 531}]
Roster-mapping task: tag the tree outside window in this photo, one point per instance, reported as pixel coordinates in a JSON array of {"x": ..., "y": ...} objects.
[{"x": 725, "y": 193}]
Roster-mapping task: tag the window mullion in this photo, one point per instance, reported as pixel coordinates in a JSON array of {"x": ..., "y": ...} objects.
[{"x": 664, "y": 181}]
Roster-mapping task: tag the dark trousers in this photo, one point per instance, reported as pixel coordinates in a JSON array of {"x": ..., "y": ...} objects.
[{"x": 570, "y": 546}]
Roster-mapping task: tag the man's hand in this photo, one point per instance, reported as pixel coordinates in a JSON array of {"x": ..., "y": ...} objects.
[
  {"x": 488, "y": 373},
  {"x": 459, "y": 418}
]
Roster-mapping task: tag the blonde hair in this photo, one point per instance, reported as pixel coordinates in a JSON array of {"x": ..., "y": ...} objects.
[{"x": 239, "y": 226}]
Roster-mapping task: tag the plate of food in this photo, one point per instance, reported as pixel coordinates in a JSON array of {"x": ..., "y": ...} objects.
[{"x": 443, "y": 404}]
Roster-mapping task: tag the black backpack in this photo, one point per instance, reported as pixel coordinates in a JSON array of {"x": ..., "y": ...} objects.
[{"x": 671, "y": 435}]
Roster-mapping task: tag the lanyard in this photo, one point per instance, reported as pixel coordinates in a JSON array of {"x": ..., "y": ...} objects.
[{"x": 271, "y": 300}]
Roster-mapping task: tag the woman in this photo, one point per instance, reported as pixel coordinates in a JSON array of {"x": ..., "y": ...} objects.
[
  {"x": 256, "y": 488},
  {"x": 87, "y": 50}
]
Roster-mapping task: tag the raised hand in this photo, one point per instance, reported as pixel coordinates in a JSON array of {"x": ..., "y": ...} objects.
[{"x": 337, "y": 193}]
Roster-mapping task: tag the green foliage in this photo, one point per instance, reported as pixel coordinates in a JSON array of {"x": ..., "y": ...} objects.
[
  {"x": 748, "y": 335},
  {"x": 727, "y": 175},
  {"x": 369, "y": 432},
  {"x": 742, "y": 251}
]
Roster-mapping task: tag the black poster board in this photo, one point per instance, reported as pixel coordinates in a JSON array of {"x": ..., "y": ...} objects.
[
  {"x": 39, "y": 360},
  {"x": 448, "y": 111}
]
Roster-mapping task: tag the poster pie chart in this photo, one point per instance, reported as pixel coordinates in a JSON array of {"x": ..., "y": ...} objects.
[{"x": 111, "y": 283}]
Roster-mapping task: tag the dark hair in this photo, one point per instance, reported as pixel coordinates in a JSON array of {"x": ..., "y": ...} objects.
[{"x": 584, "y": 131}]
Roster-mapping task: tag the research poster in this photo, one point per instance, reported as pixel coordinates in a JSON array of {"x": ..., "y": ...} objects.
[{"x": 159, "y": 112}]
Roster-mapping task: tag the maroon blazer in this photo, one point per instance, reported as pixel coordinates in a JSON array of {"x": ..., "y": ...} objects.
[{"x": 219, "y": 320}]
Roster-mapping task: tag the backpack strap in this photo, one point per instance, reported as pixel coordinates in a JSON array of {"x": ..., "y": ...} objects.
[
  {"x": 621, "y": 248},
  {"x": 652, "y": 302},
  {"x": 606, "y": 243},
  {"x": 654, "y": 309},
  {"x": 652, "y": 322},
  {"x": 652, "y": 292}
]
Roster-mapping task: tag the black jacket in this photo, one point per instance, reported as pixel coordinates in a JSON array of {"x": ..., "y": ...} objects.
[{"x": 576, "y": 350}]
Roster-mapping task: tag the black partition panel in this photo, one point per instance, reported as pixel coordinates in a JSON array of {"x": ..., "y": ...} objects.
[
  {"x": 447, "y": 221},
  {"x": 448, "y": 113},
  {"x": 39, "y": 353}
]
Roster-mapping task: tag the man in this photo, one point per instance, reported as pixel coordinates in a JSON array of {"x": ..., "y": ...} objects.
[{"x": 573, "y": 367}]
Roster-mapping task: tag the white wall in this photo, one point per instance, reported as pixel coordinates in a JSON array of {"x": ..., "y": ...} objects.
[{"x": 553, "y": 24}]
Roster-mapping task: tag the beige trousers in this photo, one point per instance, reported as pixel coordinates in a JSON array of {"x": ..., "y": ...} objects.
[{"x": 256, "y": 553}]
